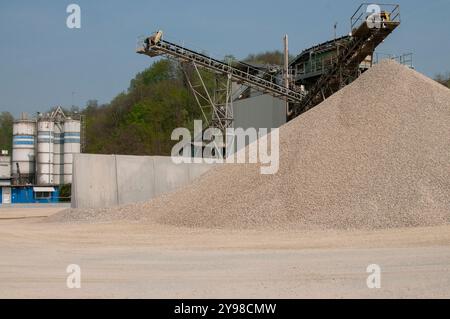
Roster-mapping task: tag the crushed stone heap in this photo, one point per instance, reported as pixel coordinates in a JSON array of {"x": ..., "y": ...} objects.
[{"x": 374, "y": 155}]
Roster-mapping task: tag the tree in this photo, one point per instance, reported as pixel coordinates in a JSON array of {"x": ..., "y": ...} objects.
[
  {"x": 6, "y": 131},
  {"x": 269, "y": 57},
  {"x": 141, "y": 120},
  {"x": 92, "y": 104}
]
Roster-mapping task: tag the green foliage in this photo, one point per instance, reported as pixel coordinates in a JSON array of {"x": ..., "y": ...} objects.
[
  {"x": 6, "y": 130},
  {"x": 141, "y": 120},
  {"x": 160, "y": 71},
  {"x": 269, "y": 57},
  {"x": 273, "y": 57},
  {"x": 65, "y": 192}
]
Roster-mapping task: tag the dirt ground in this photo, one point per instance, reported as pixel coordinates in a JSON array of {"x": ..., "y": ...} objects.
[{"x": 154, "y": 261}]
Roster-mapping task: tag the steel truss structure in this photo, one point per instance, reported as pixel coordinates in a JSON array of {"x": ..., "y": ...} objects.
[
  {"x": 344, "y": 69},
  {"x": 219, "y": 103}
]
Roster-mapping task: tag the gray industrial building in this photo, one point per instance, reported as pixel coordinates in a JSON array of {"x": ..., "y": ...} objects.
[{"x": 260, "y": 111}]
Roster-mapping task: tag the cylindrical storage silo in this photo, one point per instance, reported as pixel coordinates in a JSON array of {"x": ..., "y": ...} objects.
[
  {"x": 23, "y": 152},
  {"x": 72, "y": 145},
  {"x": 45, "y": 152},
  {"x": 58, "y": 154}
]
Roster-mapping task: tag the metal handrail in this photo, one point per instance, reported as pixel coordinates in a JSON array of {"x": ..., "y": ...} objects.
[
  {"x": 393, "y": 9},
  {"x": 404, "y": 59}
]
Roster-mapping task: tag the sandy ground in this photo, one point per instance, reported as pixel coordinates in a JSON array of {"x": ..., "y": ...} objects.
[{"x": 153, "y": 261}]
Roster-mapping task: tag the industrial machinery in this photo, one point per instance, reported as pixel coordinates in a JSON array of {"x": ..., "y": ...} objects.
[
  {"x": 313, "y": 75},
  {"x": 335, "y": 64},
  {"x": 58, "y": 153},
  {"x": 72, "y": 145},
  {"x": 42, "y": 157},
  {"x": 239, "y": 72},
  {"x": 43, "y": 149},
  {"x": 24, "y": 150},
  {"x": 44, "y": 163}
]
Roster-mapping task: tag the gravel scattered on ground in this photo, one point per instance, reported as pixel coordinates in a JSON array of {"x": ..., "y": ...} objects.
[{"x": 374, "y": 155}]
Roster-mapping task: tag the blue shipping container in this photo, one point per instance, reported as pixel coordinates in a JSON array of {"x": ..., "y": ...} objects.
[{"x": 26, "y": 195}]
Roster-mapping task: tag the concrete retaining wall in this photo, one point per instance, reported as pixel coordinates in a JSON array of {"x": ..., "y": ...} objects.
[{"x": 110, "y": 180}]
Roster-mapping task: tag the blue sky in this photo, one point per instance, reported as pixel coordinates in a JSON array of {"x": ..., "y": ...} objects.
[{"x": 42, "y": 61}]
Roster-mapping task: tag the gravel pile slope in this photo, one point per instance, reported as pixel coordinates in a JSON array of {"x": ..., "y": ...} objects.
[{"x": 374, "y": 155}]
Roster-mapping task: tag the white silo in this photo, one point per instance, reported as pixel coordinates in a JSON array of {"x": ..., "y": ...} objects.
[
  {"x": 23, "y": 152},
  {"x": 58, "y": 154},
  {"x": 45, "y": 152},
  {"x": 72, "y": 145}
]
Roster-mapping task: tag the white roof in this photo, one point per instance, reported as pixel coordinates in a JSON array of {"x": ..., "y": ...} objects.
[{"x": 44, "y": 189}]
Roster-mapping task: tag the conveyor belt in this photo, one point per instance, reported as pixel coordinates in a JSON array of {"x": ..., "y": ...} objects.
[{"x": 244, "y": 75}]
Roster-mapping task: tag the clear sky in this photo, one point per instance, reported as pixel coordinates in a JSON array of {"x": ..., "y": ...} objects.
[{"x": 42, "y": 61}]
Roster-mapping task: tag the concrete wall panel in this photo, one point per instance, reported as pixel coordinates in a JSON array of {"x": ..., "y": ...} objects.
[
  {"x": 94, "y": 181},
  {"x": 135, "y": 177},
  {"x": 197, "y": 170},
  {"x": 110, "y": 180},
  {"x": 169, "y": 176}
]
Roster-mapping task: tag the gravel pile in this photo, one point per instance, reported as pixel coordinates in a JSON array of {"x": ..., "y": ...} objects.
[{"x": 374, "y": 155}]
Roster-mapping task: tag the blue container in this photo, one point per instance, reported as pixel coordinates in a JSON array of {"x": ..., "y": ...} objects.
[{"x": 26, "y": 195}]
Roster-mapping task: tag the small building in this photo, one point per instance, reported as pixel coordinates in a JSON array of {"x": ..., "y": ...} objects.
[
  {"x": 5, "y": 195},
  {"x": 5, "y": 168},
  {"x": 34, "y": 195},
  {"x": 28, "y": 195}
]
